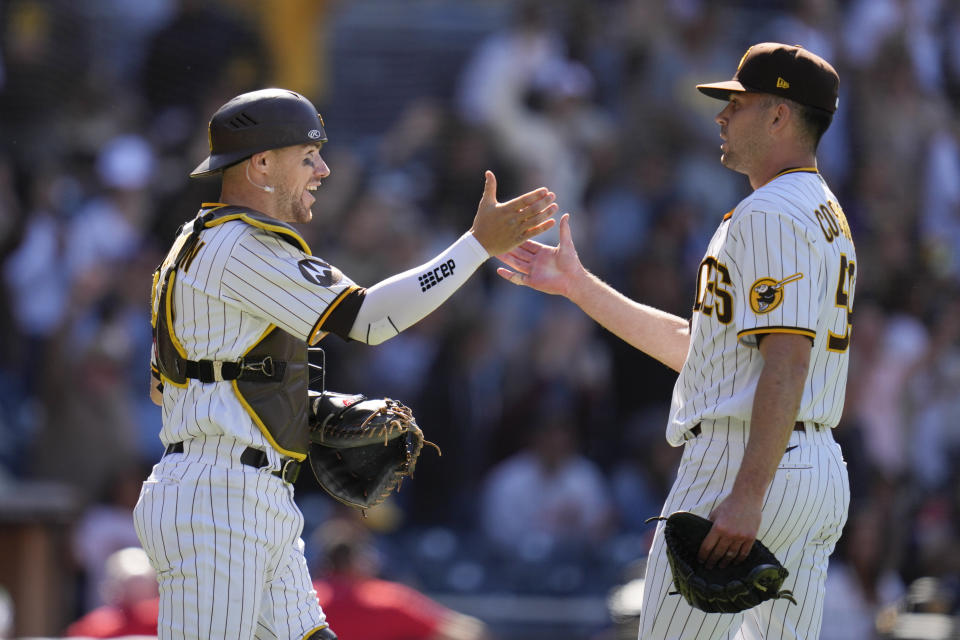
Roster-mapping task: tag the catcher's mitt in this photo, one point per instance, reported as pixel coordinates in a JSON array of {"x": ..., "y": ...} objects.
[
  {"x": 719, "y": 590},
  {"x": 362, "y": 448}
]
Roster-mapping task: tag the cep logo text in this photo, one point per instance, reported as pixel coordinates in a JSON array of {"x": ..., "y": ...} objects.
[{"x": 433, "y": 277}]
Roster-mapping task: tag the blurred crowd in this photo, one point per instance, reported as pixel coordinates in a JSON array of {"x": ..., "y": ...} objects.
[{"x": 551, "y": 429}]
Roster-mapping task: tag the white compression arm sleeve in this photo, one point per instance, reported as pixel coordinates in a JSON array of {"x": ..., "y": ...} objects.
[{"x": 400, "y": 301}]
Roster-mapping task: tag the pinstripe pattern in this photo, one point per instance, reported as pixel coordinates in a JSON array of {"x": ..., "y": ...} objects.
[
  {"x": 225, "y": 537},
  {"x": 788, "y": 231},
  {"x": 242, "y": 281},
  {"x": 773, "y": 233},
  {"x": 803, "y": 515}
]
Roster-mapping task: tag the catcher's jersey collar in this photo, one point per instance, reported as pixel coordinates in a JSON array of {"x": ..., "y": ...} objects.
[{"x": 255, "y": 219}]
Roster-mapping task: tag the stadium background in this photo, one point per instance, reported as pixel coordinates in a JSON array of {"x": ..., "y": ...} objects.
[{"x": 103, "y": 106}]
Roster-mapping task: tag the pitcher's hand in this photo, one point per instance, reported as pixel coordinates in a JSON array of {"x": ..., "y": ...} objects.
[
  {"x": 542, "y": 267},
  {"x": 736, "y": 522}
]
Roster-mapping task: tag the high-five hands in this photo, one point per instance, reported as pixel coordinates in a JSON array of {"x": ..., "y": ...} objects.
[
  {"x": 542, "y": 267},
  {"x": 501, "y": 226}
]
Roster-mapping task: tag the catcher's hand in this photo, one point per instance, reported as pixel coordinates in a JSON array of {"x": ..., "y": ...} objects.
[
  {"x": 362, "y": 448},
  {"x": 720, "y": 589}
]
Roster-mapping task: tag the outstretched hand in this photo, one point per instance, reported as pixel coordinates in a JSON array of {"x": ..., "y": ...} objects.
[
  {"x": 542, "y": 267},
  {"x": 501, "y": 226}
]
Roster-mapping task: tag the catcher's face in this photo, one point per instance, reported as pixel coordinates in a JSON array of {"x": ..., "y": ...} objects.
[
  {"x": 742, "y": 128},
  {"x": 298, "y": 171}
]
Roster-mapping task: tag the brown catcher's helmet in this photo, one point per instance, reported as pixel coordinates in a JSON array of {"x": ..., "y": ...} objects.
[{"x": 257, "y": 121}]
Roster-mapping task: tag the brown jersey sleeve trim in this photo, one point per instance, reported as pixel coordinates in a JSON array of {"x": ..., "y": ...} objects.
[
  {"x": 339, "y": 316},
  {"x": 796, "y": 330}
]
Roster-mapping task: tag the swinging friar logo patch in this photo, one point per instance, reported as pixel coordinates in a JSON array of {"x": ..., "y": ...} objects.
[
  {"x": 766, "y": 294},
  {"x": 319, "y": 272}
]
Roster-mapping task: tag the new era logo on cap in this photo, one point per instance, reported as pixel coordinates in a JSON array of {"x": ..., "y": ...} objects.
[{"x": 765, "y": 68}]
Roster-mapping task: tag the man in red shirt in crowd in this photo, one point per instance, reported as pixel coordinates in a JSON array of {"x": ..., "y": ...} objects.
[
  {"x": 130, "y": 591},
  {"x": 361, "y": 606}
]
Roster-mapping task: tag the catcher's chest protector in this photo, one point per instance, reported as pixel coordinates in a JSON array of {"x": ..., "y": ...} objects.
[{"x": 277, "y": 406}]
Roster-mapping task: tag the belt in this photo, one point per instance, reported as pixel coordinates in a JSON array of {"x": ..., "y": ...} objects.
[
  {"x": 256, "y": 458},
  {"x": 797, "y": 426}
]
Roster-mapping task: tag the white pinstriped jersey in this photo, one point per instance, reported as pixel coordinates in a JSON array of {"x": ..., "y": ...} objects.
[
  {"x": 782, "y": 261},
  {"x": 241, "y": 282},
  {"x": 224, "y": 534}
]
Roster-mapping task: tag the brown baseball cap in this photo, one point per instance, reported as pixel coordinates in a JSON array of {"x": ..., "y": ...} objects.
[{"x": 783, "y": 70}]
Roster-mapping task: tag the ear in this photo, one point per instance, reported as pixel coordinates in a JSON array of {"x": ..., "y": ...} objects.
[
  {"x": 780, "y": 117},
  {"x": 259, "y": 160}
]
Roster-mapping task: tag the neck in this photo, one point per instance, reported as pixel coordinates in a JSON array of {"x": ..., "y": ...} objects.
[
  {"x": 240, "y": 193},
  {"x": 771, "y": 169}
]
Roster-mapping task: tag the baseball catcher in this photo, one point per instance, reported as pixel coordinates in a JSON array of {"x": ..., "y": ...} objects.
[
  {"x": 719, "y": 590},
  {"x": 362, "y": 448}
]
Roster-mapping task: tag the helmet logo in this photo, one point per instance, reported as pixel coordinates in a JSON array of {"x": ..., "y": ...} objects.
[{"x": 313, "y": 134}]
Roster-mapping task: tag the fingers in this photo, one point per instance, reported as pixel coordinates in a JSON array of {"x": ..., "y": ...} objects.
[
  {"x": 529, "y": 198},
  {"x": 730, "y": 556},
  {"x": 721, "y": 556},
  {"x": 566, "y": 237},
  {"x": 532, "y": 246},
  {"x": 742, "y": 554},
  {"x": 714, "y": 548},
  {"x": 535, "y": 213},
  {"x": 518, "y": 203},
  {"x": 518, "y": 255},
  {"x": 522, "y": 254},
  {"x": 514, "y": 261},
  {"x": 721, "y": 552},
  {"x": 489, "y": 186},
  {"x": 538, "y": 222},
  {"x": 538, "y": 229},
  {"x": 527, "y": 227},
  {"x": 528, "y": 250},
  {"x": 707, "y": 548},
  {"x": 511, "y": 276}
]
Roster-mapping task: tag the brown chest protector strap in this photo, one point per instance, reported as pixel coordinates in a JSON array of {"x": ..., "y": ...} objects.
[{"x": 265, "y": 370}]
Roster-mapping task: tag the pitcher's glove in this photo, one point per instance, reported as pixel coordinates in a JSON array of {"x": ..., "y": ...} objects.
[
  {"x": 719, "y": 590},
  {"x": 361, "y": 448}
]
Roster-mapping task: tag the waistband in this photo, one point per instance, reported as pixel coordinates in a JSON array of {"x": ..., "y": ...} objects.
[
  {"x": 252, "y": 457},
  {"x": 803, "y": 426},
  {"x": 799, "y": 425}
]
